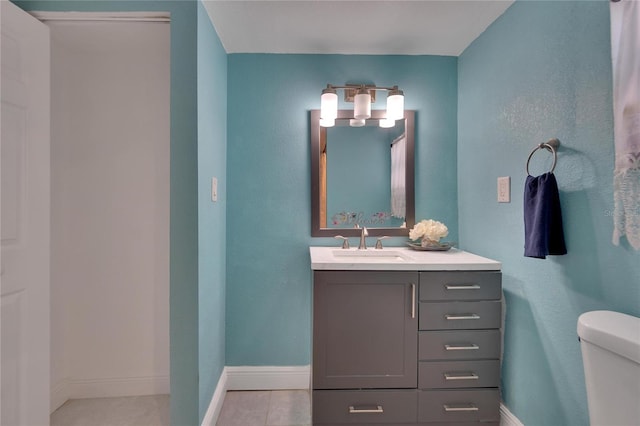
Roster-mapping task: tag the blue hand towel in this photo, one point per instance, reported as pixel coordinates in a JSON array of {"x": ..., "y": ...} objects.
[{"x": 543, "y": 233}]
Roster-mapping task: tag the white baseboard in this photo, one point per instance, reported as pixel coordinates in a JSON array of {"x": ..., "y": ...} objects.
[
  {"x": 273, "y": 378},
  {"x": 213, "y": 411},
  {"x": 255, "y": 378},
  {"x": 507, "y": 418},
  {"x": 59, "y": 395},
  {"x": 268, "y": 377},
  {"x": 107, "y": 387}
]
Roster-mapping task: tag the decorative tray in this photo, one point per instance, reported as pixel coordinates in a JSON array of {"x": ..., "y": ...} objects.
[{"x": 440, "y": 247}]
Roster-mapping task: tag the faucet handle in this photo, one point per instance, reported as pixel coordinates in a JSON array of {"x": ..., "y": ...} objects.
[
  {"x": 345, "y": 242},
  {"x": 379, "y": 242}
]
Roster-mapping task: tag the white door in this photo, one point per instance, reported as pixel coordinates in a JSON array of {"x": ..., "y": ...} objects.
[{"x": 25, "y": 176}]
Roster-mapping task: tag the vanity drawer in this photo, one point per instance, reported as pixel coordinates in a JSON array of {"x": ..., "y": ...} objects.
[
  {"x": 460, "y": 315},
  {"x": 458, "y": 345},
  {"x": 364, "y": 407},
  {"x": 459, "y": 406},
  {"x": 485, "y": 285},
  {"x": 459, "y": 374}
]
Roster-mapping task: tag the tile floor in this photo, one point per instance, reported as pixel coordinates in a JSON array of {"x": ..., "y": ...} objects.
[
  {"x": 266, "y": 408},
  {"x": 150, "y": 410},
  {"x": 240, "y": 408}
]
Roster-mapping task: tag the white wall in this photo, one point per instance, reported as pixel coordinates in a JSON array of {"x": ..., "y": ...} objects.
[{"x": 110, "y": 209}]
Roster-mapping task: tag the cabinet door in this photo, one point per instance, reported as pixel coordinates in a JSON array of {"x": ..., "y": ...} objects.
[{"x": 364, "y": 330}]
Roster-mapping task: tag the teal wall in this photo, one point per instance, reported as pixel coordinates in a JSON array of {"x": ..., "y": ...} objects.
[
  {"x": 268, "y": 206},
  {"x": 543, "y": 70},
  {"x": 212, "y": 161},
  {"x": 183, "y": 192}
]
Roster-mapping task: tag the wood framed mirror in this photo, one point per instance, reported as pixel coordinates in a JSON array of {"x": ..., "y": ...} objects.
[{"x": 362, "y": 176}]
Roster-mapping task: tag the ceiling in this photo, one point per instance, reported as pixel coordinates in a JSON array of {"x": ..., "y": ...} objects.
[{"x": 394, "y": 27}]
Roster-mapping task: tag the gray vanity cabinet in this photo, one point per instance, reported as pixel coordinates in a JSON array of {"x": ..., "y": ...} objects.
[{"x": 406, "y": 348}]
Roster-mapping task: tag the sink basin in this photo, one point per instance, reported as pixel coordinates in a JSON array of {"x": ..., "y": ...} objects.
[{"x": 371, "y": 255}]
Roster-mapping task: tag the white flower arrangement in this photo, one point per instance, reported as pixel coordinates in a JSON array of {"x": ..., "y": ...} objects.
[{"x": 429, "y": 230}]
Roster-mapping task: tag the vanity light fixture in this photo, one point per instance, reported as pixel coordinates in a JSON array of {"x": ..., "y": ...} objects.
[
  {"x": 395, "y": 104},
  {"x": 362, "y": 97},
  {"x": 386, "y": 123},
  {"x": 357, "y": 122},
  {"x": 327, "y": 122},
  {"x": 362, "y": 104},
  {"x": 329, "y": 104}
]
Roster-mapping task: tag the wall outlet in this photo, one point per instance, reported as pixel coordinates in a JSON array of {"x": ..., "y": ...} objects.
[{"x": 504, "y": 189}]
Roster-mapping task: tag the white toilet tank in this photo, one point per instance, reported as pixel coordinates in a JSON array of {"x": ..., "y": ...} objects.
[{"x": 610, "y": 344}]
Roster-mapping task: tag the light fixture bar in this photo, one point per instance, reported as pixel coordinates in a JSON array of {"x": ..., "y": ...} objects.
[
  {"x": 350, "y": 92},
  {"x": 366, "y": 86},
  {"x": 362, "y": 95}
]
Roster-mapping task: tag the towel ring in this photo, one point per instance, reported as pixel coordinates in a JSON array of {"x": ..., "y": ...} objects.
[{"x": 551, "y": 145}]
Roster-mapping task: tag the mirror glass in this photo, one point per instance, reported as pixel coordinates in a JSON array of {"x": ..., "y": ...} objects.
[{"x": 362, "y": 175}]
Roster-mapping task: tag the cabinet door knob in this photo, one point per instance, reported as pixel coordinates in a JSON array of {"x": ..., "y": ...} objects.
[{"x": 371, "y": 409}]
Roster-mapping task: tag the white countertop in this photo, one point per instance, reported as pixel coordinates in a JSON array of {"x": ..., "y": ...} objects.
[{"x": 399, "y": 259}]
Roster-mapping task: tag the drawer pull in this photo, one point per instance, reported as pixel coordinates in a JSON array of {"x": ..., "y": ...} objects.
[
  {"x": 455, "y": 317},
  {"x": 462, "y": 286},
  {"x": 460, "y": 407},
  {"x": 471, "y": 347},
  {"x": 461, "y": 376},
  {"x": 371, "y": 409}
]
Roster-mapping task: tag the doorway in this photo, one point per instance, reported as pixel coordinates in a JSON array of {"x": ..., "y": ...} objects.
[
  {"x": 92, "y": 184},
  {"x": 110, "y": 115}
]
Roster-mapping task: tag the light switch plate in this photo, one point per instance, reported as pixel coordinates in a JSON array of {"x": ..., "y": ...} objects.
[
  {"x": 504, "y": 189},
  {"x": 214, "y": 189}
]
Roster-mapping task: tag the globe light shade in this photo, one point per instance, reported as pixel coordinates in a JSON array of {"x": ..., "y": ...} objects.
[
  {"x": 357, "y": 122},
  {"x": 362, "y": 104},
  {"x": 395, "y": 105},
  {"x": 329, "y": 104}
]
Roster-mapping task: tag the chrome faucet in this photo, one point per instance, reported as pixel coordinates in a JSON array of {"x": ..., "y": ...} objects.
[{"x": 363, "y": 240}]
